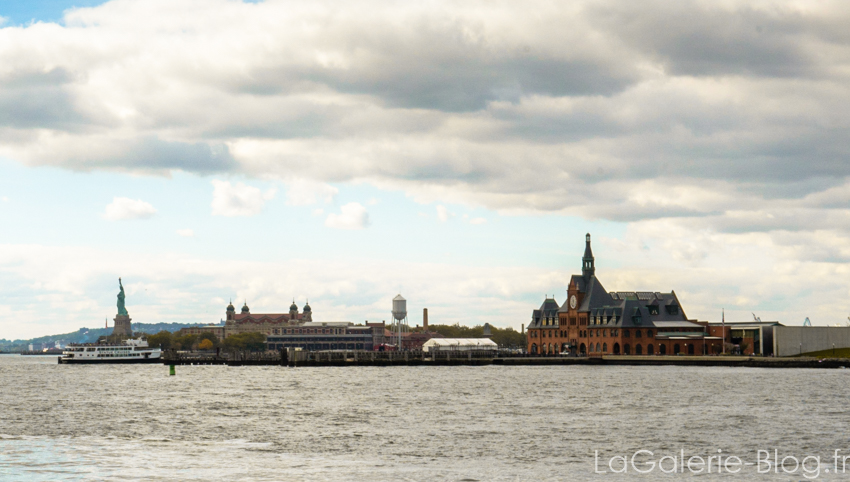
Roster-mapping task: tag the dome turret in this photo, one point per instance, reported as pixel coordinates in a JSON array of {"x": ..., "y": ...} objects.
[
  {"x": 231, "y": 308},
  {"x": 293, "y": 306},
  {"x": 245, "y": 308},
  {"x": 307, "y": 308}
]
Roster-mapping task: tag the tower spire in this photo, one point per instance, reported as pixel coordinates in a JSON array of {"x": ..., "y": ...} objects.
[{"x": 587, "y": 262}]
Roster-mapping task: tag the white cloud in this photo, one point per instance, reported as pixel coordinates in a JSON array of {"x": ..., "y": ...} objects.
[
  {"x": 122, "y": 208},
  {"x": 477, "y": 221},
  {"x": 443, "y": 214},
  {"x": 352, "y": 216},
  {"x": 305, "y": 193},
  {"x": 239, "y": 199},
  {"x": 5, "y": 199},
  {"x": 186, "y": 233},
  {"x": 318, "y": 212},
  {"x": 71, "y": 283}
]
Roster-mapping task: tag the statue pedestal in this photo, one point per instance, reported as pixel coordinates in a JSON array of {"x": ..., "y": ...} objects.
[{"x": 122, "y": 325}]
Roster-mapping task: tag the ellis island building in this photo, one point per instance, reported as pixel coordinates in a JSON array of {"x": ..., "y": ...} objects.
[
  {"x": 593, "y": 321},
  {"x": 296, "y": 330}
]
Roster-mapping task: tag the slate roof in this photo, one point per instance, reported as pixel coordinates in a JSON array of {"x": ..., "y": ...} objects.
[{"x": 549, "y": 309}]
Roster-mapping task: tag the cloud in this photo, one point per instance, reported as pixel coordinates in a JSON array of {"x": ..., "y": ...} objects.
[
  {"x": 56, "y": 289},
  {"x": 625, "y": 116},
  {"x": 477, "y": 221},
  {"x": 186, "y": 233},
  {"x": 443, "y": 214},
  {"x": 122, "y": 208},
  {"x": 352, "y": 216},
  {"x": 305, "y": 193},
  {"x": 238, "y": 200}
]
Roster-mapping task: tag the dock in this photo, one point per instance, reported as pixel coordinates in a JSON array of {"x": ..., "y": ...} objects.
[{"x": 418, "y": 358}]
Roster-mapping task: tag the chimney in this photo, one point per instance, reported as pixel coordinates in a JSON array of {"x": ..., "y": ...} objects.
[
  {"x": 424, "y": 319},
  {"x": 522, "y": 329}
]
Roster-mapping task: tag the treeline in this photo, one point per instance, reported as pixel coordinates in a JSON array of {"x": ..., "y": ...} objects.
[
  {"x": 208, "y": 341},
  {"x": 91, "y": 335},
  {"x": 504, "y": 337}
]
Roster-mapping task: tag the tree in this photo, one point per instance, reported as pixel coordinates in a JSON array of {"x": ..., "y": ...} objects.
[
  {"x": 508, "y": 338},
  {"x": 245, "y": 341},
  {"x": 208, "y": 336},
  {"x": 185, "y": 342},
  {"x": 163, "y": 339},
  {"x": 205, "y": 344}
]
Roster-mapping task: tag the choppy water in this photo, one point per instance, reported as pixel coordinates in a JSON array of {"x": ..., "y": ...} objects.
[{"x": 124, "y": 422}]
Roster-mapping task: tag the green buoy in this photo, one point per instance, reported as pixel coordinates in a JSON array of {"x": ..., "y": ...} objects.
[{"x": 171, "y": 371}]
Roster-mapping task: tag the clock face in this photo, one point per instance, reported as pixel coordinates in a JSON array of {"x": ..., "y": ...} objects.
[{"x": 573, "y": 301}]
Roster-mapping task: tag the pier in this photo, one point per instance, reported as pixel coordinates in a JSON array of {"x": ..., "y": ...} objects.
[{"x": 418, "y": 358}]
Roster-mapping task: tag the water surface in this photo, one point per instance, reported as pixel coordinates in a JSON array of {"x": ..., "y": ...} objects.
[{"x": 128, "y": 422}]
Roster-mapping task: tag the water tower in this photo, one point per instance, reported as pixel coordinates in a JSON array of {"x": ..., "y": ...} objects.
[{"x": 399, "y": 323}]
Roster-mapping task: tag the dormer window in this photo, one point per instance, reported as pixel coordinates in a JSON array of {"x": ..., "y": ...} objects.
[
  {"x": 673, "y": 309},
  {"x": 653, "y": 309}
]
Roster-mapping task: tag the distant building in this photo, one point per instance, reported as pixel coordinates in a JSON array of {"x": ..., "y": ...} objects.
[
  {"x": 247, "y": 322},
  {"x": 593, "y": 321},
  {"x": 296, "y": 330},
  {"x": 316, "y": 335},
  {"x": 459, "y": 344},
  {"x": 748, "y": 337}
]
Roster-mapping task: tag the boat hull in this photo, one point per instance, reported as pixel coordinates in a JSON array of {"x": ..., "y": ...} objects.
[{"x": 104, "y": 361}]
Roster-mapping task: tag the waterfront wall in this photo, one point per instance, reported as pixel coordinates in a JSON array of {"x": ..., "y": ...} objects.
[{"x": 792, "y": 340}]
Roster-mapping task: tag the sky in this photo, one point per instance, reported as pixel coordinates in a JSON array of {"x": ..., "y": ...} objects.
[{"x": 453, "y": 152}]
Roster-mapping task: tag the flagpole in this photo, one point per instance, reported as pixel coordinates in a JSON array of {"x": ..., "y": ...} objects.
[{"x": 723, "y": 323}]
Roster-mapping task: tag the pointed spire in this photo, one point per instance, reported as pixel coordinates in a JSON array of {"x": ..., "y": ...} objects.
[{"x": 587, "y": 261}]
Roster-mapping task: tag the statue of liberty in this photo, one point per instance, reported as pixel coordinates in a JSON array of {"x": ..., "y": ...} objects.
[{"x": 122, "y": 310}]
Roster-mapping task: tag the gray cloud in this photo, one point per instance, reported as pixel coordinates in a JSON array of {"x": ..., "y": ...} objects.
[{"x": 689, "y": 111}]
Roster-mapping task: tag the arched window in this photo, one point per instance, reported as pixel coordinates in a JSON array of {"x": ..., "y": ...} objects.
[
  {"x": 604, "y": 348},
  {"x": 676, "y": 349},
  {"x": 616, "y": 348},
  {"x": 534, "y": 348},
  {"x": 625, "y": 333},
  {"x": 626, "y": 349},
  {"x": 637, "y": 333},
  {"x": 649, "y": 333},
  {"x": 582, "y": 349},
  {"x": 550, "y": 348},
  {"x": 638, "y": 350},
  {"x": 662, "y": 349},
  {"x": 650, "y": 350},
  {"x": 691, "y": 349},
  {"x": 597, "y": 347}
]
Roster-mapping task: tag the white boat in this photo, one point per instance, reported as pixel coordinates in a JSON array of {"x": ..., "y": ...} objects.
[{"x": 129, "y": 351}]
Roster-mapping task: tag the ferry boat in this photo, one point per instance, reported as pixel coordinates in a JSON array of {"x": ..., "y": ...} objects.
[{"x": 130, "y": 351}]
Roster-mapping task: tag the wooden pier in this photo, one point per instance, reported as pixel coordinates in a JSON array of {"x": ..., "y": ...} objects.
[{"x": 292, "y": 358}]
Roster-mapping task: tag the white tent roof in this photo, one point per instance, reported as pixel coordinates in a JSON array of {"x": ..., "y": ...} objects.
[{"x": 460, "y": 342}]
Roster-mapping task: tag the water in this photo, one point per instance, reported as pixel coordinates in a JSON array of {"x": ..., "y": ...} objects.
[{"x": 123, "y": 422}]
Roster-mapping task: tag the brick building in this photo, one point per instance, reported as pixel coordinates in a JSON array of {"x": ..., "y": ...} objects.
[
  {"x": 247, "y": 322},
  {"x": 593, "y": 321},
  {"x": 296, "y": 330}
]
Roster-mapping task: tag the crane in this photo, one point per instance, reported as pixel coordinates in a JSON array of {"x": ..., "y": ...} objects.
[
  {"x": 807, "y": 322},
  {"x": 756, "y": 318}
]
